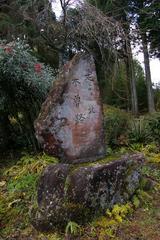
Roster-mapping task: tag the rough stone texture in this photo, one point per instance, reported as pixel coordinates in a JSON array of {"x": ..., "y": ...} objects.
[
  {"x": 51, "y": 194},
  {"x": 66, "y": 193},
  {"x": 70, "y": 124},
  {"x": 51, "y": 186}
]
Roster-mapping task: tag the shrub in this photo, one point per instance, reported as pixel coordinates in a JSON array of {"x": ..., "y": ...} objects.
[
  {"x": 139, "y": 131},
  {"x": 154, "y": 126},
  {"x": 116, "y": 123},
  {"x": 24, "y": 83},
  {"x": 122, "y": 129}
]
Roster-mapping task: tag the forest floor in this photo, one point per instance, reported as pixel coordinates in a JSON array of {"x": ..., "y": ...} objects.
[
  {"x": 18, "y": 182},
  {"x": 144, "y": 223}
]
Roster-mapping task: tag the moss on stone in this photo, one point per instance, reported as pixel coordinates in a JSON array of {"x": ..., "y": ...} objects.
[{"x": 105, "y": 160}]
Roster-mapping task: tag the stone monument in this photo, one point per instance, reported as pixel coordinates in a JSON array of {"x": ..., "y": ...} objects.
[
  {"x": 70, "y": 124},
  {"x": 70, "y": 127}
]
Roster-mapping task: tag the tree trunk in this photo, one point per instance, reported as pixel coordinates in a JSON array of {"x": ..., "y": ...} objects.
[
  {"x": 151, "y": 105},
  {"x": 131, "y": 78},
  {"x": 5, "y": 133},
  {"x": 61, "y": 59}
]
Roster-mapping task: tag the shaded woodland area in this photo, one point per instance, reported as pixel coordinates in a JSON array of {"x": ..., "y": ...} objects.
[{"x": 34, "y": 45}]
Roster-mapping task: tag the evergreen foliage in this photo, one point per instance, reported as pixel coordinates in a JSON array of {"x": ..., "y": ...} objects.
[{"x": 24, "y": 83}]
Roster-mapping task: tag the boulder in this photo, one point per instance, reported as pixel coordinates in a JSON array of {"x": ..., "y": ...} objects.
[
  {"x": 70, "y": 123},
  {"x": 69, "y": 193}
]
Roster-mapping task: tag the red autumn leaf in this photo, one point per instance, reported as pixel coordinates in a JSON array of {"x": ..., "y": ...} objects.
[
  {"x": 8, "y": 50},
  {"x": 37, "y": 67}
]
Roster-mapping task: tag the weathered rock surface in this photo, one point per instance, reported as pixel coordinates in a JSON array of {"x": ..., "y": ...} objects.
[
  {"x": 70, "y": 124},
  {"x": 66, "y": 193}
]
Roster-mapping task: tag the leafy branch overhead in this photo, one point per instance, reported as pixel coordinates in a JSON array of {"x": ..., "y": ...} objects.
[{"x": 80, "y": 30}]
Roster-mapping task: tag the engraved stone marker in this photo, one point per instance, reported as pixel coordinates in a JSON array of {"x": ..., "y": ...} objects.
[{"x": 70, "y": 124}]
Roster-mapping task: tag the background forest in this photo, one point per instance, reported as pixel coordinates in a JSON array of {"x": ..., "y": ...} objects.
[{"x": 34, "y": 44}]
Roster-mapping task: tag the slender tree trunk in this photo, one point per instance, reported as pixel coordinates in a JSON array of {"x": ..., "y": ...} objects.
[
  {"x": 5, "y": 132},
  {"x": 151, "y": 105},
  {"x": 127, "y": 85},
  {"x": 60, "y": 60},
  {"x": 63, "y": 57},
  {"x": 131, "y": 78}
]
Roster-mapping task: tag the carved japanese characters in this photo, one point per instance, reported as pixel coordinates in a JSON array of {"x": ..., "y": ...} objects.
[{"x": 70, "y": 124}]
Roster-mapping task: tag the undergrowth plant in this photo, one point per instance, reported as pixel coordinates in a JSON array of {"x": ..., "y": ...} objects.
[
  {"x": 116, "y": 123},
  {"x": 19, "y": 192},
  {"x": 139, "y": 131},
  {"x": 154, "y": 126},
  {"x": 73, "y": 228},
  {"x": 106, "y": 225}
]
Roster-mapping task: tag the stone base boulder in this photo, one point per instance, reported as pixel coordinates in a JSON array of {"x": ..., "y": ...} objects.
[{"x": 77, "y": 193}]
